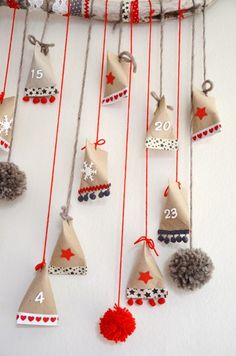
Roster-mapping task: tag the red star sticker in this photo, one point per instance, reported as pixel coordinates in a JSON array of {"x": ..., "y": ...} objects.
[
  {"x": 67, "y": 254},
  {"x": 110, "y": 78},
  {"x": 201, "y": 112},
  {"x": 145, "y": 276}
]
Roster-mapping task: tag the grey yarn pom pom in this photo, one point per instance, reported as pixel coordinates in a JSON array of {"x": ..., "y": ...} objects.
[
  {"x": 12, "y": 181},
  {"x": 190, "y": 268}
]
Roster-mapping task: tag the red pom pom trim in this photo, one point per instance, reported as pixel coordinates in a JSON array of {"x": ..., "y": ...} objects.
[
  {"x": 152, "y": 302},
  {"x": 52, "y": 99},
  {"x": 36, "y": 100},
  {"x": 139, "y": 301},
  {"x": 26, "y": 98},
  {"x": 44, "y": 100},
  {"x": 161, "y": 300},
  {"x": 117, "y": 324},
  {"x": 130, "y": 301}
]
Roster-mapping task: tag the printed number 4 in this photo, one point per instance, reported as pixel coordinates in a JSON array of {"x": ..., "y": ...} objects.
[
  {"x": 171, "y": 213},
  {"x": 40, "y": 298},
  {"x": 159, "y": 126},
  {"x": 38, "y": 73}
]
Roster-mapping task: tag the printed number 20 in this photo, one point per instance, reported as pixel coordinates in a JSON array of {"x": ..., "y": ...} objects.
[
  {"x": 38, "y": 73},
  {"x": 159, "y": 126},
  {"x": 171, "y": 213}
]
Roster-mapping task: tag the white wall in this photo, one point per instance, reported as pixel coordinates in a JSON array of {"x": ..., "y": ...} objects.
[{"x": 199, "y": 323}]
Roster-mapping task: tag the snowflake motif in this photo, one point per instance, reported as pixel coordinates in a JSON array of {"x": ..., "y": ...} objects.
[
  {"x": 35, "y": 4},
  {"x": 60, "y": 7},
  {"x": 89, "y": 171},
  {"x": 5, "y": 125}
]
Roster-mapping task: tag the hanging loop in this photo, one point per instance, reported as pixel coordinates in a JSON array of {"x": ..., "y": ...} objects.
[
  {"x": 129, "y": 58},
  {"x": 99, "y": 142},
  {"x": 64, "y": 214},
  {"x": 158, "y": 100},
  {"x": 207, "y": 86},
  {"x": 44, "y": 46},
  {"x": 148, "y": 242},
  {"x": 166, "y": 192}
]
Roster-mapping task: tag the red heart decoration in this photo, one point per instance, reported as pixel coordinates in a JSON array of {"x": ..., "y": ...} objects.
[
  {"x": 216, "y": 127},
  {"x": 211, "y": 130},
  {"x": 120, "y": 94},
  {"x": 199, "y": 135},
  {"x": 31, "y": 318},
  {"x": 38, "y": 318},
  {"x": 5, "y": 145},
  {"x": 45, "y": 319},
  {"x": 107, "y": 100},
  {"x": 205, "y": 133},
  {"x": 17, "y": 317},
  {"x": 111, "y": 98},
  {"x": 125, "y": 91},
  {"x": 116, "y": 97},
  {"x": 53, "y": 319},
  {"x": 194, "y": 138},
  {"x": 23, "y": 317},
  {"x": 2, "y": 142}
]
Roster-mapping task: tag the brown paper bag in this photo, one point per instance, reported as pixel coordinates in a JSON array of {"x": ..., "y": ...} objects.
[
  {"x": 68, "y": 256},
  {"x": 7, "y": 108},
  {"x": 174, "y": 226},
  {"x": 38, "y": 307},
  {"x": 117, "y": 76},
  {"x": 41, "y": 84},
  {"x": 161, "y": 135},
  {"x": 205, "y": 121},
  {"x": 94, "y": 179},
  {"x": 146, "y": 280}
]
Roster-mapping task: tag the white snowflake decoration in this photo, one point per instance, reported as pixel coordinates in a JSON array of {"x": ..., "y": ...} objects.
[
  {"x": 5, "y": 125},
  {"x": 60, "y": 7},
  {"x": 89, "y": 171},
  {"x": 35, "y": 4}
]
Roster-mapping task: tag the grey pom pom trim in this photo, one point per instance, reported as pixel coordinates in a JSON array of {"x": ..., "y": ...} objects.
[
  {"x": 12, "y": 181},
  {"x": 190, "y": 269}
]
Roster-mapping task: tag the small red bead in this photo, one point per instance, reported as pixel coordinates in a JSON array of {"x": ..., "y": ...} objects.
[
  {"x": 130, "y": 301},
  {"x": 44, "y": 100},
  {"x": 139, "y": 301},
  {"x": 152, "y": 302},
  {"x": 36, "y": 100},
  {"x": 26, "y": 98},
  {"x": 52, "y": 99},
  {"x": 161, "y": 300}
]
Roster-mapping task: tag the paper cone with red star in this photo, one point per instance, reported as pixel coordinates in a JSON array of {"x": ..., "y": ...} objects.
[
  {"x": 206, "y": 120},
  {"x": 38, "y": 306},
  {"x": 41, "y": 85},
  {"x": 68, "y": 257},
  {"x": 161, "y": 135},
  {"x": 116, "y": 79},
  {"x": 94, "y": 174},
  {"x": 175, "y": 221},
  {"x": 146, "y": 281},
  {"x": 7, "y": 108}
]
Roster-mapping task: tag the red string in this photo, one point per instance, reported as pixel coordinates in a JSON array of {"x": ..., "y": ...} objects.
[
  {"x": 2, "y": 94},
  {"x": 126, "y": 161},
  {"x": 149, "y": 242},
  {"x": 181, "y": 15},
  {"x": 147, "y": 117},
  {"x": 97, "y": 143},
  {"x": 102, "y": 69},
  {"x": 40, "y": 265}
]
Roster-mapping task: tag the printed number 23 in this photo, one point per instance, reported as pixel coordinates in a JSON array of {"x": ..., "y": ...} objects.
[
  {"x": 38, "y": 73},
  {"x": 39, "y": 298},
  {"x": 170, "y": 213}
]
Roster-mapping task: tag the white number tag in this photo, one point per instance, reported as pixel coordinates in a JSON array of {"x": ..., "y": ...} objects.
[
  {"x": 170, "y": 213},
  {"x": 38, "y": 73},
  {"x": 40, "y": 298},
  {"x": 159, "y": 126}
]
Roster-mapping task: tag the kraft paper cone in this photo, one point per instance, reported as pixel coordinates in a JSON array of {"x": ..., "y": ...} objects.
[
  {"x": 94, "y": 179},
  {"x": 117, "y": 76},
  {"x": 68, "y": 256},
  {"x": 38, "y": 307},
  {"x": 161, "y": 135},
  {"x": 7, "y": 108},
  {"x": 174, "y": 226},
  {"x": 205, "y": 121},
  {"x": 146, "y": 281},
  {"x": 40, "y": 83}
]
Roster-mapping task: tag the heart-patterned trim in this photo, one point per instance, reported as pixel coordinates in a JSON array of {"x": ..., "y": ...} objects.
[
  {"x": 37, "y": 319},
  {"x": 206, "y": 132}
]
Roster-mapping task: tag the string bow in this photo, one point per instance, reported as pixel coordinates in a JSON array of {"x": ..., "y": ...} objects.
[
  {"x": 44, "y": 46},
  {"x": 99, "y": 142},
  {"x": 149, "y": 242}
]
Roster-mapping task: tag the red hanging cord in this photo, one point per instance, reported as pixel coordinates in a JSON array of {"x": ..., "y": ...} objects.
[
  {"x": 2, "y": 94},
  {"x": 125, "y": 164},
  {"x": 40, "y": 265},
  {"x": 147, "y": 117},
  {"x": 180, "y": 17},
  {"x": 102, "y": 70}
]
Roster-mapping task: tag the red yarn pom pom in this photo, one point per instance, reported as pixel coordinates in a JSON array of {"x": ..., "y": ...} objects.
[
  {"x": 117, "y": 324},
  {"x": 152, "y": 302},
  {"x": 52, "y": 99},
  {"x": 36, "y": 100},
  {"x": 161, "y": 300},
  {"x": 139, "y": 301},
  {"x": 130, "y": 301},
  {"x": 26, "y": 98},
  {"x": 44, "y": 100}
]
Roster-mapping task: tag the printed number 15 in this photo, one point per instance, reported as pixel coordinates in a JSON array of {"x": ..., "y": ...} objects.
[{"x": 38, "y": 73}]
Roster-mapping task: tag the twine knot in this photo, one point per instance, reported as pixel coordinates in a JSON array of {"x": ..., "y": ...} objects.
[
  {"x": 64, "y": 214},
  {"x": 2, "y": 95},
  {"x": 44, "y": 46},
  {"x": 99, "y": 142},
  {"x": 158, "y": 100},
  {"x": 128, "y": 58},
  {"x": 167, "y": 189},
  {"x": 148, "y": 242},
  {"x": 207, "y": 86},
  {"x": 40, "y": 265}
]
